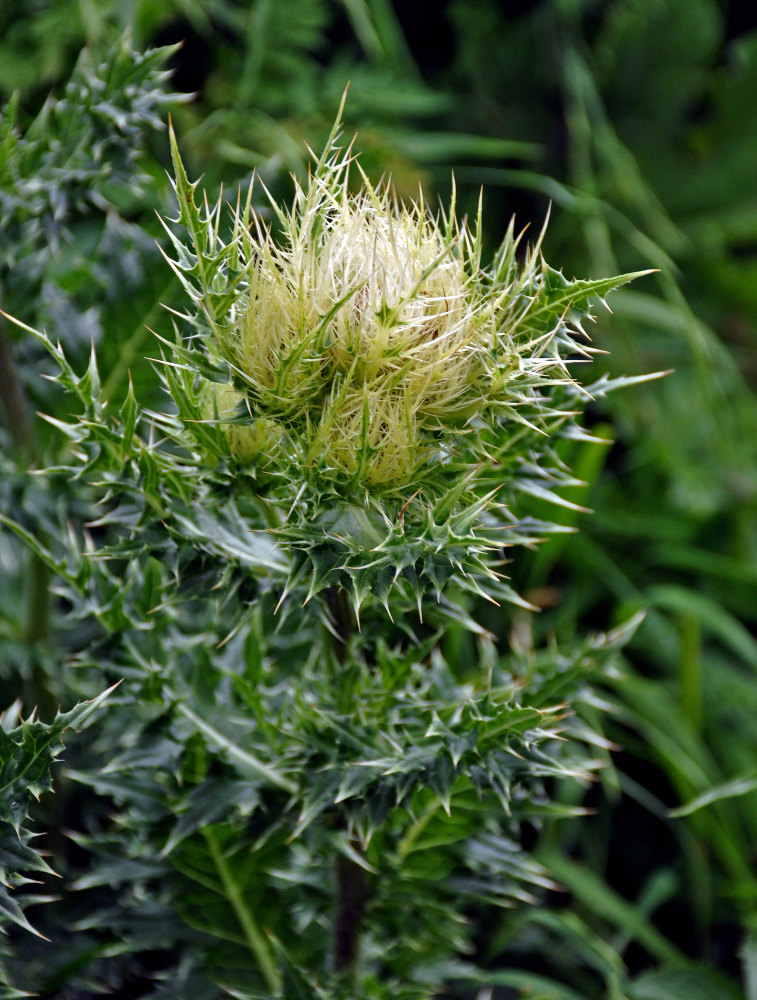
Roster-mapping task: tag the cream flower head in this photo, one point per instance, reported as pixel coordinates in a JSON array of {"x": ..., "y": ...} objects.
[{"x": 363, "y": 327}]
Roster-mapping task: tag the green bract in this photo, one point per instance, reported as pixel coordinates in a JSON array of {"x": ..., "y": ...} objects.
[{"x": 379, "y": 373}]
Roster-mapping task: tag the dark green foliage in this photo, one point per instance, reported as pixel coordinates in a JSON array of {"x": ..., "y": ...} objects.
[
  {"x": 76, "y": 254},
  {"x": 27, "y": 751},
  {"x": 63, "y": 180},
  {"x": 237, "y": 773}
]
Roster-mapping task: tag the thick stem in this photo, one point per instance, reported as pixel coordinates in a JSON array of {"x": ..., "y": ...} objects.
[
  {"x": 37, "y": 635},
  {"x": 351, "y": 885},
  {"x": 21, "y": 430},
  {"x": 13, "y": 401},
  {"x": 339, "y": 609},
  {"x": 351, "y": 894}
]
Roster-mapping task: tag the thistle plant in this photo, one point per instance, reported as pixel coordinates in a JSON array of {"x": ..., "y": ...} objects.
[{"x": 328, "y": 756}]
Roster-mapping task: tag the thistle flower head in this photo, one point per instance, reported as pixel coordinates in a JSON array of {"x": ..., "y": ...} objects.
[
  {"x": 362, "y": 330},
  {"x": 384, "y": 370},
  {"x": 247, "y": 441}
]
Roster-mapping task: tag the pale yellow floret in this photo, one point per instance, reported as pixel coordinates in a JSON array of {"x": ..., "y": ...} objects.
[
  {"x": 368, "y": 434},
  {"x": 246, "y": 441},
  {"x": 272, "y": 350}
]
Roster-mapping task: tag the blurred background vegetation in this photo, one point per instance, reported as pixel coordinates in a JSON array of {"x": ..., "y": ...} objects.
[{"x": 635, "y": 120}]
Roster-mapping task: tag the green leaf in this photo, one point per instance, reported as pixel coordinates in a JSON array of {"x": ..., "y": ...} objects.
[
  {"x": 734, "y": 788},
  {"x": 531, "y": 984},
  {"x": 240, "y": 757},
  {"x": 27, "y": 753},
  {"x": 699, "y": 983},
  {"x": 599, "y": 898},
  {"x": 558, "y": 295},
  {"x": 749, "y": 964}
]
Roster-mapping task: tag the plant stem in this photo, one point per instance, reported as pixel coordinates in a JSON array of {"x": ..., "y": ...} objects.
[
  {"x": 253, "y": 935},
  {"x": 407, "y": 842},
  {"x": 14, "y": 403},
  {"x": 339, "y": 609},
  {"x": 351, "y": 892},
  {"x": 351, "y": 885},
  {"x": 21, "y": 430}
]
